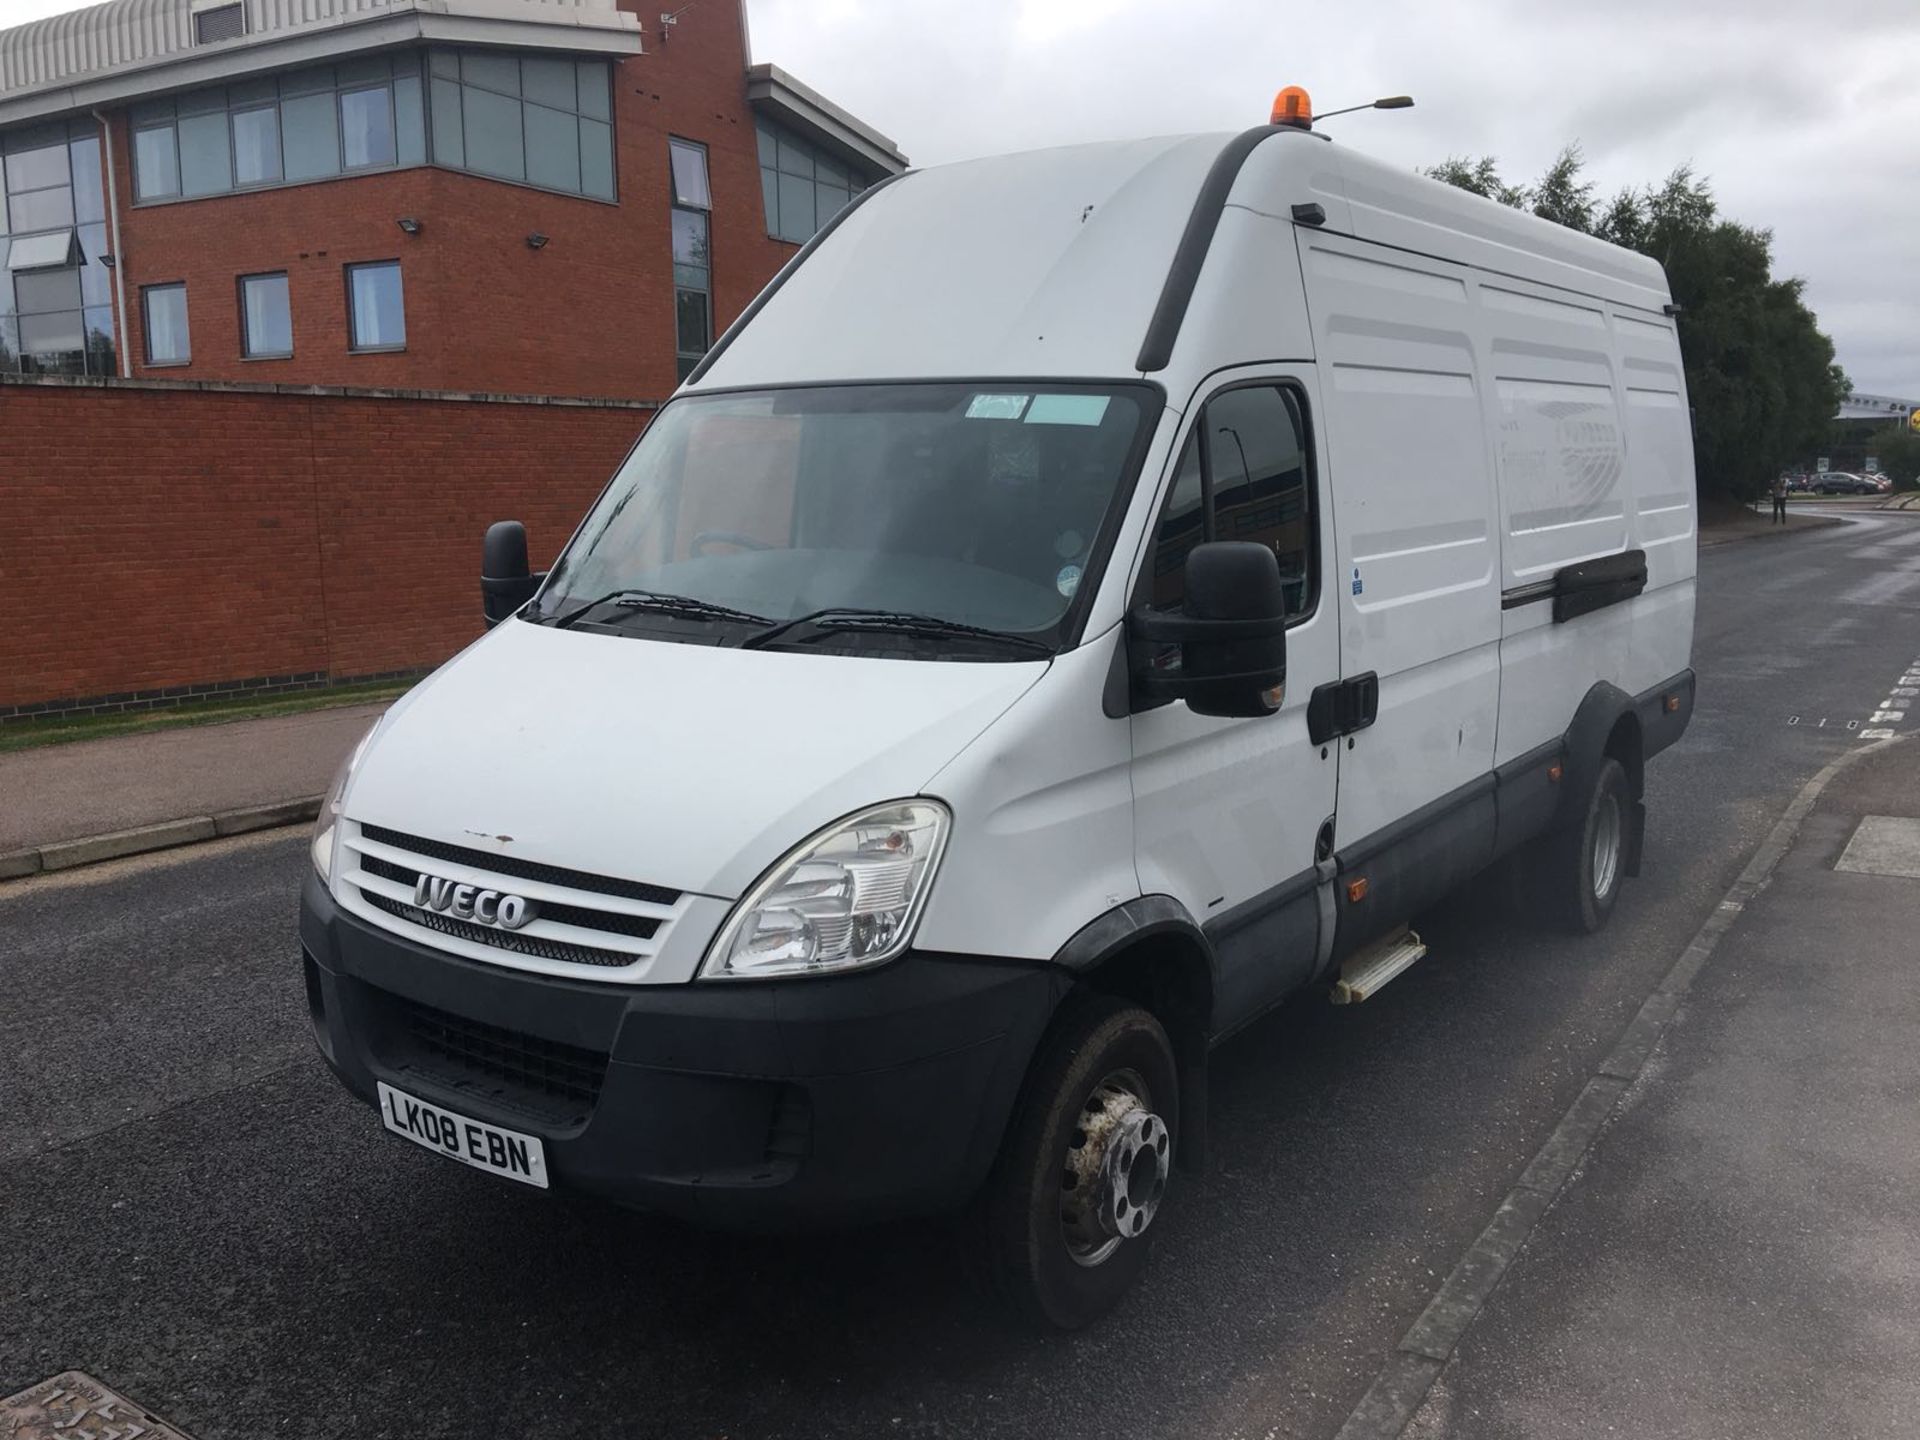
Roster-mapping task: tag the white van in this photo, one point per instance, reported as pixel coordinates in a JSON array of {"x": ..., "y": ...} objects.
[{"x": 1090, "y": 596}]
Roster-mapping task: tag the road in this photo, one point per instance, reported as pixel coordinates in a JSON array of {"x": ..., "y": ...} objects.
[{"x": 193, "y": 1211}]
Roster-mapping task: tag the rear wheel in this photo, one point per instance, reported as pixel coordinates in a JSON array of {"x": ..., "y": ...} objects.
[
  {"x": 1070, "y": 1209},
  {"x": 1587, "y": 861}
]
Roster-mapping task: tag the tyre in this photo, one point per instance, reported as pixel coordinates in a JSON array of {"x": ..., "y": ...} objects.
[
  {"x": 1587, "y": 861},
  {"x": 1068, "y": 1214}
]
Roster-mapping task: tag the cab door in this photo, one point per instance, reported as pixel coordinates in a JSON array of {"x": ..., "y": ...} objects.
[{"x": 1234, "y": 817}]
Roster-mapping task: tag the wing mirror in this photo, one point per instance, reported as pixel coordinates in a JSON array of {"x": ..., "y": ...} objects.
[
  {"x": 505, "y": 581},
  {"x": 1225, "y": 653}
]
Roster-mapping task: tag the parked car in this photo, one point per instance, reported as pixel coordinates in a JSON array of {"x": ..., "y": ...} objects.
[
  {"x": 1841, "y": 482},
  {"x": 943, "y": 732}
]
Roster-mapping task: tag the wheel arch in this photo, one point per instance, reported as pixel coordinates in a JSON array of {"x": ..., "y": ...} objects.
[
  {"x": 1605, "y": 726},
  {"x": 1152, "y": 952}
]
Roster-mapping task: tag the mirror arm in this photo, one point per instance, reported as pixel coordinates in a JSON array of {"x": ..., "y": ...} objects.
[
  {"x": 1179, "y": 687},
  {"x": 1161, "y": 628}
]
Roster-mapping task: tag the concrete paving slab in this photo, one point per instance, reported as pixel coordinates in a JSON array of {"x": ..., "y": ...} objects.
[{"x": 1883, "y": 845}]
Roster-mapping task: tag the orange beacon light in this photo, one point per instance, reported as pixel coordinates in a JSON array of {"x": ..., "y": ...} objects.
[{"x": 1293, "y": 106}]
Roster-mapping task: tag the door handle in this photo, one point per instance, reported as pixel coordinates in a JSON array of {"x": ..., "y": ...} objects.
[{"x": 1340, "y": 707}]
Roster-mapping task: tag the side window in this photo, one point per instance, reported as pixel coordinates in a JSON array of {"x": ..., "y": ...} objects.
[
  {"x": 1257, "y": 453},
  {"x": 1243, "y": 476},
  {"x": 1182, "y": 526}
]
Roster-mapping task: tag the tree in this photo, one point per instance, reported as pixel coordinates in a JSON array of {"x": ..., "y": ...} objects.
[
  {"x": 1760, "y": 374},
  {"x": 1898, "y": 450},
  {"x": 1561, "y": 195},
  {"x": 1480, "y": 177}
]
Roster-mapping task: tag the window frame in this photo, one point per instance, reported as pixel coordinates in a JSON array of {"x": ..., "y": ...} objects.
[
  {"x": 858, "y": 178},
  {"x": 146, "y": 324},
  {"x": 699, "y": 149},
  {"x": 458, "y": 80},
  {"x": 231, "y": 108},
  {"x": 1197, "y": 426},
  {"x": 346, "y": 275},
  {"x": 247, "y": 352},
  {"x": 686, "y": 361}
]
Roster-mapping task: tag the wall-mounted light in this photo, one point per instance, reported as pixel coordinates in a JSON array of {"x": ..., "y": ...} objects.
[
  {"x": 409, "y": 224},
  {"x": 106, "y": 260},
  {"x": 536, "y": 241}
]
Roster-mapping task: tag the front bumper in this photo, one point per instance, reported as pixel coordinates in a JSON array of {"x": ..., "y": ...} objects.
[{"x": 759, "y": 1104}]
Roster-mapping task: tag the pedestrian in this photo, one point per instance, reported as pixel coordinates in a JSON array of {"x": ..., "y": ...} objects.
[{"x": 1780, "y": 499}]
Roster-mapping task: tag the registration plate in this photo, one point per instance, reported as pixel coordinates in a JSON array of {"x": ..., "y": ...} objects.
[{"x": 471, "y": 1142}]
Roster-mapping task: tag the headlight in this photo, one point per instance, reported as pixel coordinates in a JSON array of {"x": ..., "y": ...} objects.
[
  {"x": 847, "y": 898},
  {"x": 326, "y": 823}
]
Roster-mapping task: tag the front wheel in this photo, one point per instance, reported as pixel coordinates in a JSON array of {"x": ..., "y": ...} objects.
[{"x": 1069, "y": 1211}]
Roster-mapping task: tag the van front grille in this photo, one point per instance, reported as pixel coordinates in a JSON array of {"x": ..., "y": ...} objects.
[
  {"x": 639, "y": 926},
  {"x": 508, "y": 940},
  {"x": 572, "y": 918},
  {"x": 521, "y": 869}
]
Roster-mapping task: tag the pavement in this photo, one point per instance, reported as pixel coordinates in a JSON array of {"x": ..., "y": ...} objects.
[
  {"x": 1740, "y": 1253},
  {"x": 129, "y": 783},
  {"x": 194, "y": 1212}
]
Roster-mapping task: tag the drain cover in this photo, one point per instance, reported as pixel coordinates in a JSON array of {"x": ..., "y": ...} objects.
[
  {"x": 74, "y": 1406},
  {"x": 1883, "y": 845}
]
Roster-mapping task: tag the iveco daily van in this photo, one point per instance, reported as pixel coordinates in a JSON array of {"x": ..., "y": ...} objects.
[{"x": 1088, "y": 597}]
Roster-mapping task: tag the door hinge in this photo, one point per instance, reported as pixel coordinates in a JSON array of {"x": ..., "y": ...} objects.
[{"x": 1341, "y": 707}]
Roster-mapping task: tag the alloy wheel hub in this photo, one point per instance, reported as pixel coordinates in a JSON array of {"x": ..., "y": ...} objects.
[{"x": 1117, "y": 1173}]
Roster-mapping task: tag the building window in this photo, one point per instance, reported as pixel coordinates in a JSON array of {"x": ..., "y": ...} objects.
[
  {"x": 376, "y": 310},
  {"x": 266, "y": 317},
  {"x": 692, "y": 254},
  {"x": 534, "y": 119},
  {"x": 364, "y": 114},
  {"x": 801, "y": 185},
  {"x": 56, "y": 294},
  {"x": 164, "y": 310}
]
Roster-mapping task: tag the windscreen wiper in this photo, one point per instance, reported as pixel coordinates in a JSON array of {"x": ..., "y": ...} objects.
[
  {"x": 844, "y": 618},
  {"x": 685, "y": 607}
]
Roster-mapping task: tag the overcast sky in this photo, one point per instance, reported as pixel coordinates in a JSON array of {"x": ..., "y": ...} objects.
[{"x": 1804, "y": 113}]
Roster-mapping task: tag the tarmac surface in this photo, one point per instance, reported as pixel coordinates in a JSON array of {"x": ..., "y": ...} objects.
[{"x": 192, "y": 1211}]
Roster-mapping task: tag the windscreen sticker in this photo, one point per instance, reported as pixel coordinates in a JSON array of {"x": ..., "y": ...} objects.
[
  {"x": 1068, "y": 410},
  {"x": 997, "y": 407},
  {"x": 1068, "y": 580}
]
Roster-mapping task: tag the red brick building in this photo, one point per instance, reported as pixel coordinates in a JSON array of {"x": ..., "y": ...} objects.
[
  {"x": 297, "y": 295},
  {"x": 543, "y": 197}
]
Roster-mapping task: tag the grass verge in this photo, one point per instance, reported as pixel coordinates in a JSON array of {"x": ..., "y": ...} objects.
[{"x": 31, "y": 734}]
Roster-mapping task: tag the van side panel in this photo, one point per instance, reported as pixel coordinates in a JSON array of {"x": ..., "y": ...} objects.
[
  {"x": 1566, "y": 496},
  {"x": 1417, "y": 570},
  {"x": 1659, "y": 428}
]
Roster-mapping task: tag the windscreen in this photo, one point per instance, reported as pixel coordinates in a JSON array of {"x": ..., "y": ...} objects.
[{"x": 983, "y": 505}]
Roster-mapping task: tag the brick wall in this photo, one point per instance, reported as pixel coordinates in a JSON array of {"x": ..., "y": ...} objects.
[
  {"x": 163, "y": 535},
  {"x": 590, "y": 314}
]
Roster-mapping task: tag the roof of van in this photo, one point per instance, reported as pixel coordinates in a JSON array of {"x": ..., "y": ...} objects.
[{"x": 1051, "y": 263}]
